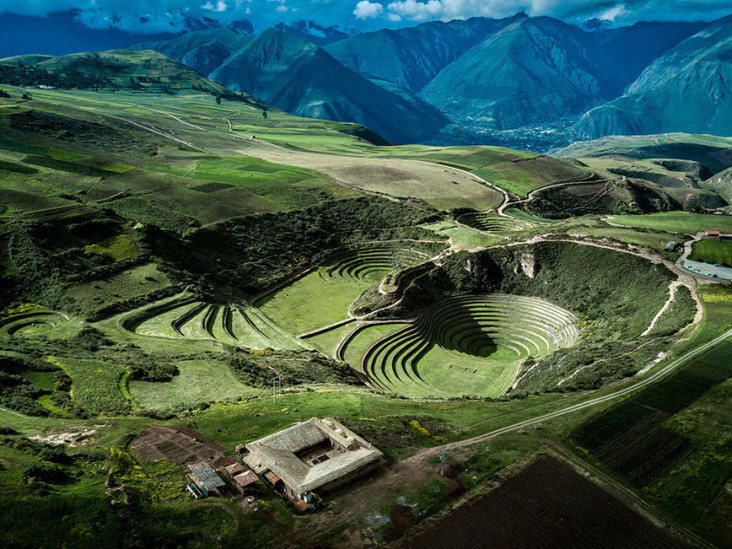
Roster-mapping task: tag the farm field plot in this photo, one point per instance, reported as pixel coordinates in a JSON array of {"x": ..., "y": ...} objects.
[
  {"x": 547, "y": 500},
  {"x": 440, "y": 186},
  {"x": 95, "y": 384},
  {"x": 188, "y": 318},
  {"x": 713, "y": 251},
  {"x": 198, "y": 381},
  {"x": 630, "y": 438},
  {"x": 698, "y": 497},
  {"x": 678, "y": 222}
]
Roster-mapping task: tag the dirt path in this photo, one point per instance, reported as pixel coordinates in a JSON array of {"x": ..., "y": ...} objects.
[
  {"x": 530, "y": 196},
  {"x": 672, "y": 293},
  {"x": 14, "y": 413},
  {"x": 157, "y": 131}
]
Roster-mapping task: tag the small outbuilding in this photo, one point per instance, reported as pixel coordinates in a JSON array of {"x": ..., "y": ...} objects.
[
  {"x": 234, "y": 469},
  {"x": 205, "y": 477},
  {"x": 317, "y": 454},
  {"x": 243, "y": 482}
]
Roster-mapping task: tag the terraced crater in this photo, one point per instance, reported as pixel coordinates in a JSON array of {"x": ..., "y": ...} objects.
[
  {"x": 242, "y": 326},
  {"x": 32, "y": 323},
  {"x": 472, "y": 344},
  {"x": 370, "y": 262},
  {"x": 490, "y": 222}
]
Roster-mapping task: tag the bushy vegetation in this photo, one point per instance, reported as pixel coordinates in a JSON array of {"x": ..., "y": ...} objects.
[
  {"x": 257, "y": 369},
  {"x": 678, "y": 315},
  {"x": 143, "y": 211},
  {"x": 252, "y": 253}
]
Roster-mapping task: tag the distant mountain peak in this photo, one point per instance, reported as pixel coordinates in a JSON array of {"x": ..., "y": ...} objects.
[{"x": 318, "y": 34}]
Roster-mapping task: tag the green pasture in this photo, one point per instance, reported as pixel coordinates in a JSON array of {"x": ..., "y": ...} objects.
[
  {"x": 198, "y": 381},
  {"x": 313, "y": 301},
  {"x": 237, "y": 422},
  {"x": 460, "y": 236},
  {"x": 676, "y": 222},
  {"x": 713, "y": 251},
  {"x": 655, "y": 240},
  {"x": 95, "y": 384},
  {"x": 120, "y": 246},
  {"x": 328, "y": 341}
]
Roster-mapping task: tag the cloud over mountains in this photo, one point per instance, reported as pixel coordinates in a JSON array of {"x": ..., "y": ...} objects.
[{"x": 143, "y": 16}]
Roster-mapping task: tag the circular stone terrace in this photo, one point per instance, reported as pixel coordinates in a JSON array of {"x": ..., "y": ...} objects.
[{"x": 468, "y": 345}]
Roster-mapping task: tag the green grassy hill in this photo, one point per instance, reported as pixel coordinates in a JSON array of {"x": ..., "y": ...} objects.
[{"x": 145, "y": 70}]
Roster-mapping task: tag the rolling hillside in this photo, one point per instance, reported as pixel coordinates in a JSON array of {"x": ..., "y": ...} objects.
[{"x": 141, "y": 70}]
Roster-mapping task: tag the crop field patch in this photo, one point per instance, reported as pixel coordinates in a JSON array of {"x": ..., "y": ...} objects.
[
  {"x": 546, "y": 500},
  {"x": 95, "y": 384},
  {"x": 212, "y": 187},
  {"x": 630, "y": 438},
  {"x": 713, "y": 251},
  {"x": 198, "y": 381},
  {"x": 181, "y": 445}
]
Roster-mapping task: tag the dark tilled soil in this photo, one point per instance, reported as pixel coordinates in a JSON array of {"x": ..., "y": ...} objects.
[
  {"x": 546, "y": 505},
  {"x": 182, "y": 445}
]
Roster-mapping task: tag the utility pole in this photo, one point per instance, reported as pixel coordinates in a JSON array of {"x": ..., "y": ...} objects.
[
  {"x": 442, "y": 462},
  {"x": 276, "y": 384}
]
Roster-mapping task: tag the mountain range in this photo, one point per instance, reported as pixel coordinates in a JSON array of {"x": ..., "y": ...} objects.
[
  {"x": 534, "y": 82},
  {"x": 529, "y": 82}
]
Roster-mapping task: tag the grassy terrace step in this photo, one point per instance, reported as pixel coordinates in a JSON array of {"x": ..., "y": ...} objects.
[
  {"x": 32, "y": 323},
  {"x": 486, "y": 337},
  {"x": 246, "y": 327},
  {"x": 365, "y": 261},
  {"x": 490, "y": 222}
]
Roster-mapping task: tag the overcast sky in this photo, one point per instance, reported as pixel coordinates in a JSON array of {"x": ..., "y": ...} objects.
[{"x": 151, "y": 16}]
